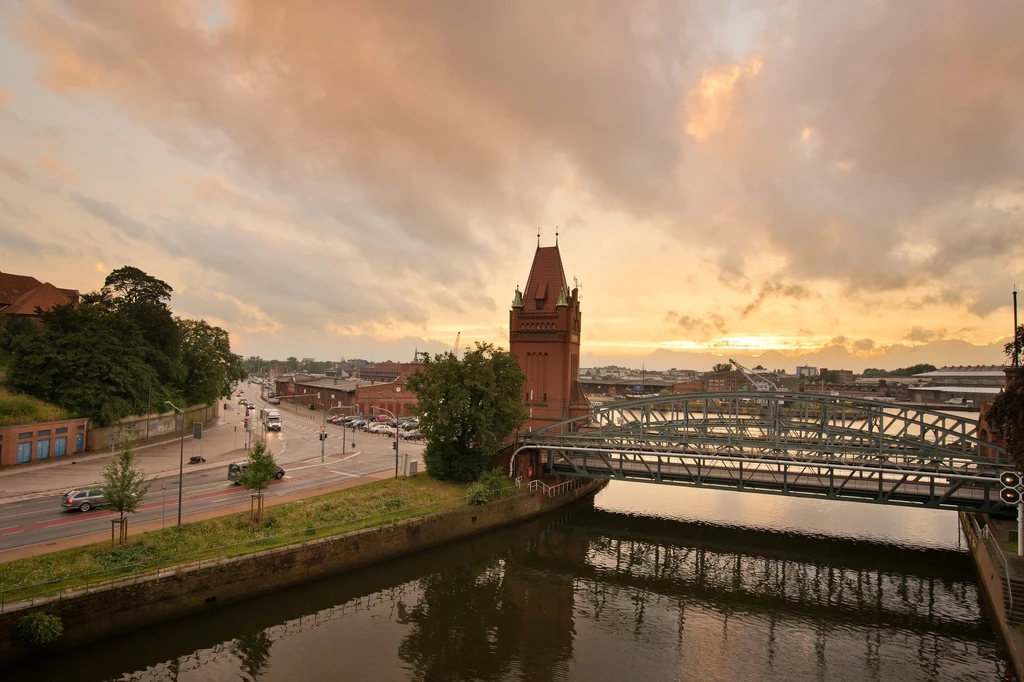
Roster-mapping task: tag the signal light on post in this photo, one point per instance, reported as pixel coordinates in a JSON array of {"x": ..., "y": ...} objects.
[
  {"x": 1009, "y": 495},
  {"x": 1009, "y": 479}
]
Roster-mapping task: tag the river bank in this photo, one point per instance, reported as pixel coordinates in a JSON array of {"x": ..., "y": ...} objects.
[{"x": 97, "y": 613}]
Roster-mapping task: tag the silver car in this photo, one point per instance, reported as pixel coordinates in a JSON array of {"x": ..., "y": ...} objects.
[{"x": 82, "y": 499}]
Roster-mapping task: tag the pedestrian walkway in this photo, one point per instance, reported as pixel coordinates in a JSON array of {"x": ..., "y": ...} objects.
[{"x": 222, "y": 443}]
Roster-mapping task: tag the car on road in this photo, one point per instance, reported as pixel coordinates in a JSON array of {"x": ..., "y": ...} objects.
[
  {"x": 235, "y": 470},
  {"x": 83, "y": 499},
  {"x": 412, "y": 435}
]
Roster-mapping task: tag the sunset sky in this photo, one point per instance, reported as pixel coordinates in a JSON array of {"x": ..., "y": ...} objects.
[{"x": 840, "y": 181}]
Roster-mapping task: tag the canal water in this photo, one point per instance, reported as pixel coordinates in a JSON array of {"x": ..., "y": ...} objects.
[{"x": 642, "y": 582}]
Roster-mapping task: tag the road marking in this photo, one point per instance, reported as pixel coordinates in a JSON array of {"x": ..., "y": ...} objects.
[{"x": 344, "y": 473}]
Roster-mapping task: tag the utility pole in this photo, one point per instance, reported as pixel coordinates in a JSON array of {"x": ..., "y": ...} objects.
[{"x": 181, "y": 461}]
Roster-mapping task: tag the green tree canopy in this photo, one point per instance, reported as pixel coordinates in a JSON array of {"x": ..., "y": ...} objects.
[
  {"x": 209, "y": 367},
  {"x": 468, "y": 408},
  {"x": 1006, "y": 415},
  {"x": 259, "y": 473},
  {"x": 1015, "y": 347},
  {"x": 722, "y": 367},
  {"x": 124, "y": 484},
  {"x": 85, "y": 358}
]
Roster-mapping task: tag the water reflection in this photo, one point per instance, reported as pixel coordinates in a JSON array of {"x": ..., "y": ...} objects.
[{"x": 590, "y": 594}]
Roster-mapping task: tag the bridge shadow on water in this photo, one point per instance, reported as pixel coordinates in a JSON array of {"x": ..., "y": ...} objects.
[{"x": 554, "y": 597}]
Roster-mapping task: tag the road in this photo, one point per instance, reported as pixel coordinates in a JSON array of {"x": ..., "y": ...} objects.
[{"x": 296, "y": 449}]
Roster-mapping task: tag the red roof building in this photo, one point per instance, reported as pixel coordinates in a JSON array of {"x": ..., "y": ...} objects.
[
  {"x": 20, "y": 295},
  {"x": 544, "y": 335}
]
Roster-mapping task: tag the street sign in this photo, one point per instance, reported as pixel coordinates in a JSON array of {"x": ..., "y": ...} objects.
[{"x": 197, "y": 430}]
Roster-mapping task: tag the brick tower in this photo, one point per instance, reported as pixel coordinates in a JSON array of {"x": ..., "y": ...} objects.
[{"x": 544, "y": 335}]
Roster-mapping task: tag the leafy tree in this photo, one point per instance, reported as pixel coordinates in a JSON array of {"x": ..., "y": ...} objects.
[
  {"x": 88, "y": 359},
  {"x": 124, "y": 484},
  {"x": 722, "y": 367},
  {"x": 209, "y": 366},
  {"x": 291, "y": 364},
  {"x": 258, "y": 475},
  {"x": 144, "y": 299},
  {"x": 1015, "y": 348},
  {"x": 468, "y": 408}
]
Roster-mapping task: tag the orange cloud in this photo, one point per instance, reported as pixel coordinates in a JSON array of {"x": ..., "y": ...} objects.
[
  {"x": 709, "y": 105},
  {"x": 5, "y": 96},
  {"x": 57, "y": 170}
]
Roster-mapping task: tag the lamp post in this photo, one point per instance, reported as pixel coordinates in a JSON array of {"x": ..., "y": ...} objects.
[
  {"x": 181, "y": 461},
  {"x": 323, "y": 429},
  {"x": 381, "y": 409}
]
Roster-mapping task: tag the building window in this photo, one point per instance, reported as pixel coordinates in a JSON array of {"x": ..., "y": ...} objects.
[
  {"x": 44, "y": 433},
  {"x": 24, "y": 452},
  {"x": 60, "y": 446},
  {"x": 540, "y": 304},
  {"x": 42, "y": 449},
  {"x": 62, "y": 429},
  {"x": 27, "y": 434}
]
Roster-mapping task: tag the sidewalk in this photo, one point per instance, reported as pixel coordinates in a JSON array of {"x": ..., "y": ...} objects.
[{"x": 220, "y": 444}]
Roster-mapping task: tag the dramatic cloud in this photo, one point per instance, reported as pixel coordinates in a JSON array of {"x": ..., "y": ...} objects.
[{"x": 846, "y": 166}]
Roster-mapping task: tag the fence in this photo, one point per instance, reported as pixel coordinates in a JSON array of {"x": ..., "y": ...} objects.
[
  {"x": 25, "y": 596},
  {"x": 556, "y": 490},
  {"x": 997, "y": 555}
]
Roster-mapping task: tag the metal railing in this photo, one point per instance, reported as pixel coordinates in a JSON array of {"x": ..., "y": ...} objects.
[
  {"x": 997, "y": 552},
  {"x": 555, "y": 490},
  {"x": 24, "y": 596}
]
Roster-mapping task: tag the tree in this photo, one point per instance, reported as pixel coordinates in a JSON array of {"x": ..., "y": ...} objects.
[
  {"x": 1015, "y": 348},
  {"x": 1006, "y": 416},
  {"x": 722, "y": 367},
  {"x": 259, "y": 473},
  {"x": 88, "y": 359},
  {"x": 209, "y": 366},
  {"x": 124, "y": 484},
  {"x": 291, "y": 364},
  {"x": 468, "y": 408}
]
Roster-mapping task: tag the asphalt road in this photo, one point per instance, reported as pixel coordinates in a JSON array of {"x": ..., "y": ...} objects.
[{"x": 296, "y": 447}]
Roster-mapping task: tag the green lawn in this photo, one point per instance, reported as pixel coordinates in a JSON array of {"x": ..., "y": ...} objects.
[
  {"x": 364, "y": 506},
  {"x": 16, "y": 408}
]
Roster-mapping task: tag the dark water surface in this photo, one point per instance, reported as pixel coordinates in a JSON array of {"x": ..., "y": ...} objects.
[{"x": 647, "y": 583}]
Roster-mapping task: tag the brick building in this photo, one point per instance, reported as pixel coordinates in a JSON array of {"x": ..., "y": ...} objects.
[
  {"x": 393, "y": 396},
  {"x": 386, "y": 371},
  {"x": 720, "y": 382},
  {"x": 20, "y": 295},
  {"x": 544, "y": 335},
  {"x": 35, "y": 442}
]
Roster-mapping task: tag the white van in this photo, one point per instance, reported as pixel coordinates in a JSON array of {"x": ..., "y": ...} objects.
[{"x": 272, "y": 418}]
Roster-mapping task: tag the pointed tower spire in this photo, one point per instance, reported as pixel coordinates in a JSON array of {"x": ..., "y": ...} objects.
[
  {"x": 556, "y": 235},
  {"x": 561, "y": 298},
  {"x": 517, "y": 300},
  {"x": 538, "y": 236}
]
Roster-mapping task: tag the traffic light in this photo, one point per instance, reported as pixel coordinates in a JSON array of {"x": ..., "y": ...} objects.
[
  {"x": 1009, "y": 479},
  {"x": 395, "y": 445},
  {"x": 373, "y": 413},
  {"x": 1009, "y": 495},
  {"x": 323, "y": 436}
]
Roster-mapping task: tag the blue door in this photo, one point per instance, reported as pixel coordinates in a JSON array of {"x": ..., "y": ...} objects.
[
  {"x": 78, "y": 442},
  {"x": 24, "y": 452},
  {"x": 60, "y": 446},
  {"x": 42, "y": 449}
]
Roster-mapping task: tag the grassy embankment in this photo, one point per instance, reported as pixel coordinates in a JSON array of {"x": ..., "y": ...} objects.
[
  {"x": 365, "y": 506},
  {"x": 16, "y": 408}
]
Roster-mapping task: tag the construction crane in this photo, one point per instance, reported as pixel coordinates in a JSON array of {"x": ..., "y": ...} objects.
[
  {"x": 758, "y": 381},
  {"x": 455, "y": 346}
]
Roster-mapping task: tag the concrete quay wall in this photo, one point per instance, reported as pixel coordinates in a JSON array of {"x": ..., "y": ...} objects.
[
  {"x": 992, "y": 587},
  {"x": 100, "y": 613}
]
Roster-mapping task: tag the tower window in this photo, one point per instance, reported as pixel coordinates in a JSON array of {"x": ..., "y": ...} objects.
[{"x": 540, "y": 304}]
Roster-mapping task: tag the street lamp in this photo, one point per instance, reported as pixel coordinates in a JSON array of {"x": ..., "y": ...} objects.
[
  {"x": 381, "y": 409},
  {"x": 181, "y": 461},
  {"x": 323, "y": 429}
]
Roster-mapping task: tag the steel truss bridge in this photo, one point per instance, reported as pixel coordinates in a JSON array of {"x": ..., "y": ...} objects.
[{"x": 798, "y": 444}]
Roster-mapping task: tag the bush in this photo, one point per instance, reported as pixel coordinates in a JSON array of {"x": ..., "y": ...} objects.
[
  {"x": 494, "y": 481},
  {"x": 40, "y": 629},
  {"x": 392, "y": 503},
  {"x": 478, "y": 494}
]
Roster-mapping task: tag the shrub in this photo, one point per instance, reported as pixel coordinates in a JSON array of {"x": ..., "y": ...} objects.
[
  {"x": 40, "y": 629},
  {"x": 392, "y": 504},
  {"x": 478, "y": 494},
  {"x": 494, "y": 481}
]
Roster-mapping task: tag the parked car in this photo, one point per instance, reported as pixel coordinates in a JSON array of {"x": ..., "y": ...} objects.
[
  {"x": 82, "y": 499},
  {"x": 412, "y": 435},
  {"x": 358, "y": 424},
  {"x": 274, "y": 401}
]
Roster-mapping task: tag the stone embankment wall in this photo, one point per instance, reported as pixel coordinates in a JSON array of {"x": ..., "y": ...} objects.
[
  {"x": 992, "y": 585},
  {"x": 154, "y": 428},
  {"x": 105, "y": 612}
]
